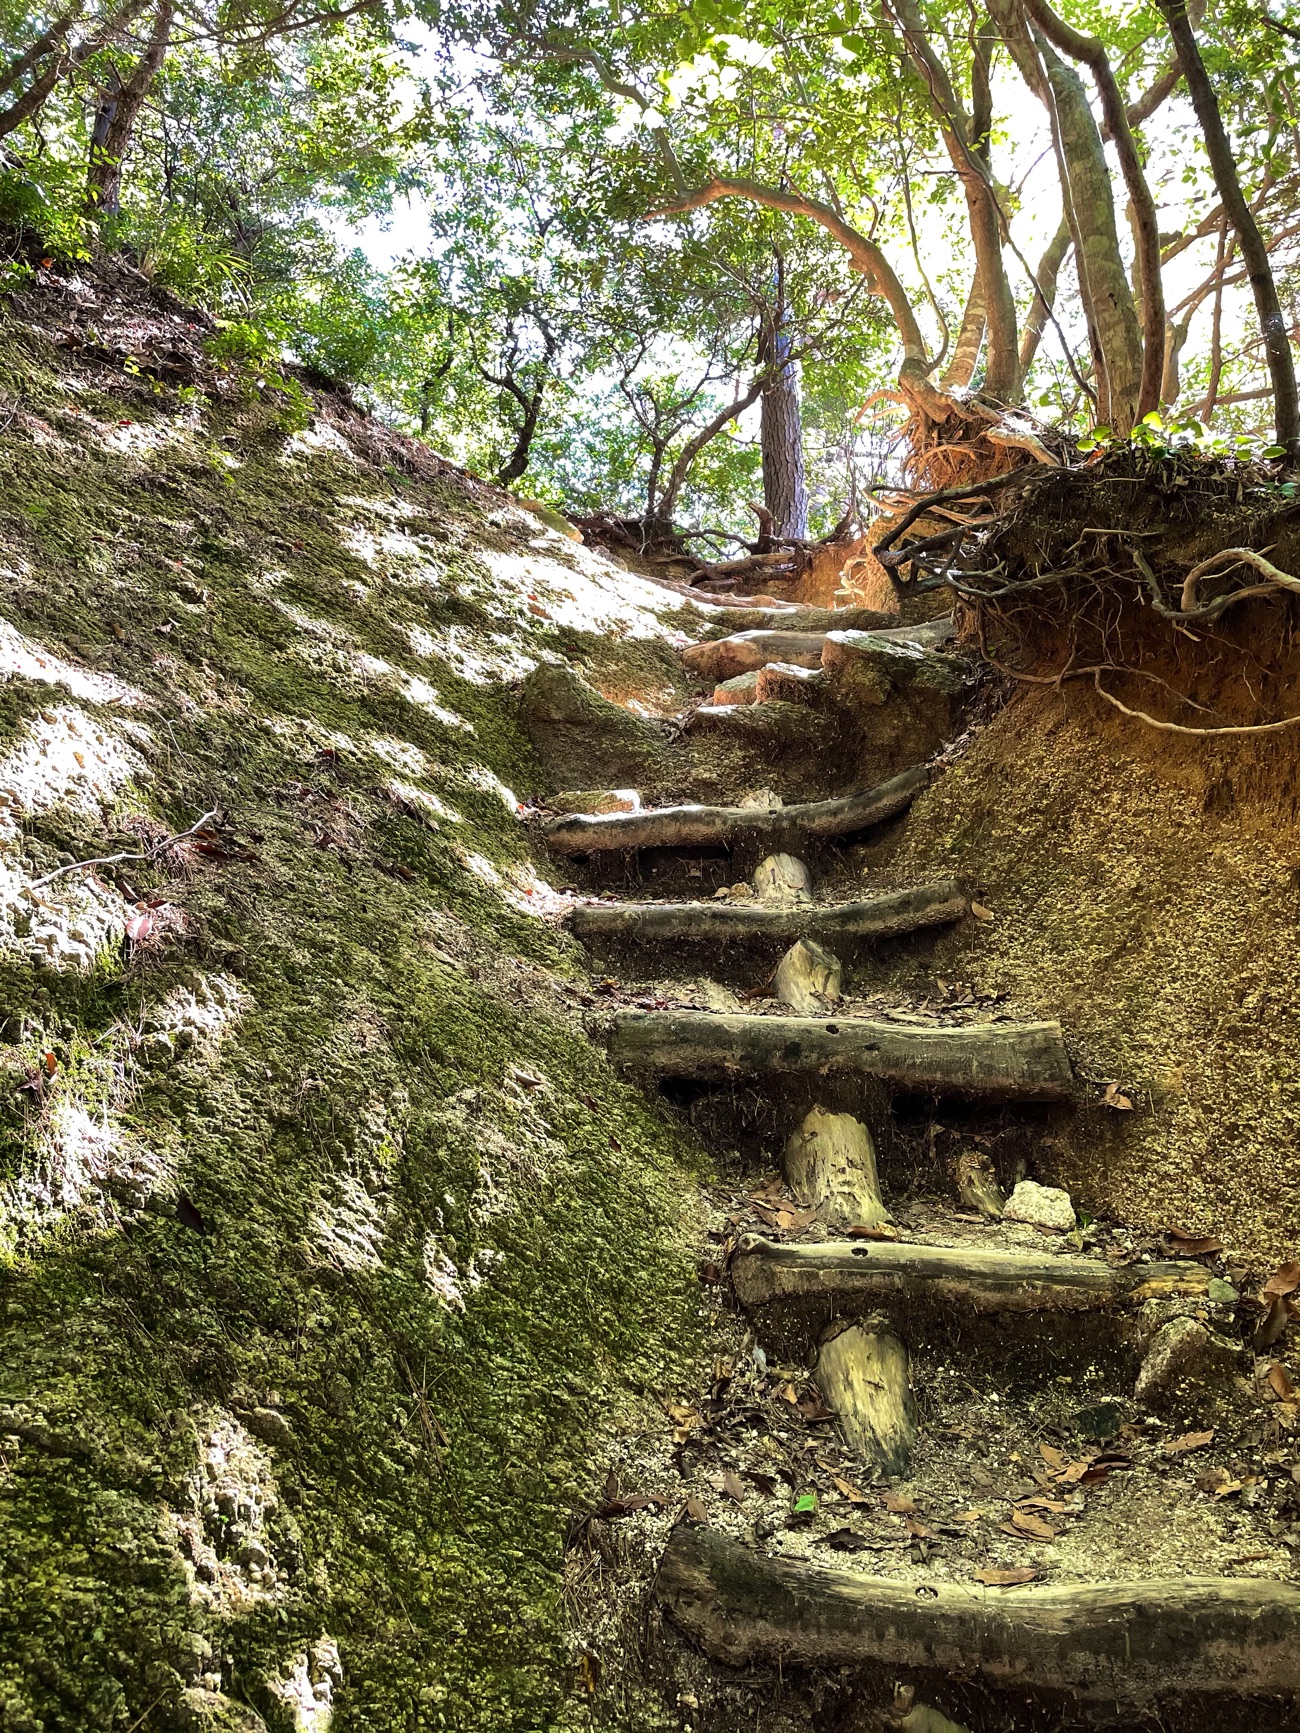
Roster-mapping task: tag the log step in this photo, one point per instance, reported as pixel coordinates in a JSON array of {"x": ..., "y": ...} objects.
[
  {"x": 798, "y": 642},
  {"x": 841, "y": 924},
  {"x": 721, "y": 826},
  {"x": 1129, "y": 1643},
  {"x": 852, "y": 1276},
  {"x": 993, "y": 1061}
]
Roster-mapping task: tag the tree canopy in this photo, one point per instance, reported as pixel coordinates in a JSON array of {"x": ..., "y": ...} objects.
[{"x": 685, "y": 264}]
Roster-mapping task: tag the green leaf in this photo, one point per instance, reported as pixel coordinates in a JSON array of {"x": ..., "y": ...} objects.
[
  {"x": 805, "y": 1504},
  {"x": 1273, "y": 451}
]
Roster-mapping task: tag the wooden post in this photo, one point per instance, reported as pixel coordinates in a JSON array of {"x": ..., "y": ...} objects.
[
  {"x": 809, "y": 978},
  {"x": 830, "y": 1163},
  {"x": 862, "y": 1374}
]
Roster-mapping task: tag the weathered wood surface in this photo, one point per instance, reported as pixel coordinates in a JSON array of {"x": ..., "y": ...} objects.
[
  {"x": 993, "y": 1061},
  {"x": 809, "y": 979},
  {"x": 830, "y": 1165},
  {"x": 965, "y": 1278},
  {"x": 830, "y": 923},
  {"x": 862, "y": 1374},
  {"x": 782, "y": 878},
  {"x": 719, "y": 826},
  {"x": 1123, "y": 1642},
  {"x": 724, "y": 658}
]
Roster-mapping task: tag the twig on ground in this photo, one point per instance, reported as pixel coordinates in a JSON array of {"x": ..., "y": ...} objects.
[{"x": 112, "y": 859}]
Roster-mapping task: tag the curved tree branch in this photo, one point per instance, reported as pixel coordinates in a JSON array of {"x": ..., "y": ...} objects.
[{"x": 1146, "y": 225}]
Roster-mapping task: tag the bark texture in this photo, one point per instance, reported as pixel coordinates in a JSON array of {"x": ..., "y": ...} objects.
[
  {"x": 961, "y": 1277},
  {"x": 1124, "y": 1642},
  {"x": 997, "y": 1061}
]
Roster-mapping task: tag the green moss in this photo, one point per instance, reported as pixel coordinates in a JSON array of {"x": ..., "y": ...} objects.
[{"x": 389, "y": 999}]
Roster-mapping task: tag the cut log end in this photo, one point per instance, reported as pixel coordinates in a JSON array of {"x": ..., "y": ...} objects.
[
  {"x": 862, "y": 1374},
  {"x": 809, "y": 979},
  {"x": 782, "y": 880},
  {"x": 830, "y": 1164}
]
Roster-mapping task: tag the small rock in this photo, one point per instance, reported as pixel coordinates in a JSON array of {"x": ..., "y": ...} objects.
[
  {"x": 1221, "y": 1293},
  {"x": 270, "y": 1426},
  {"x": 1042, "y": 1206},
  {"x": 1188, "y": 1369},
  {"x": 743, "y": 689}
]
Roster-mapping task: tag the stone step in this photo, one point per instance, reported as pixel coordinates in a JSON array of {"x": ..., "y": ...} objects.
[
  {"x": 703, "y": 827},
  {"x": 849, "y": 1276},
  {"x": 842, "y": 924},
  {"x": 990, "y": 1061},
  {"x": 1134, "y": 1643}
]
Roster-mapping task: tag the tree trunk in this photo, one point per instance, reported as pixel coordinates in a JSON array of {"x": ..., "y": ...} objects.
[
  {"x": 785, "y": 492},
  {"x": 970, "y": 339},
  {"x": 1130, "y": 1643},
  {"x": 1277, "y": 346},
  {"x": 988, "y": 1061},
  {"x": 116, "y": 115},
  {"x": 1049, "y": 271},
  {"x": 725, "y": 826}
]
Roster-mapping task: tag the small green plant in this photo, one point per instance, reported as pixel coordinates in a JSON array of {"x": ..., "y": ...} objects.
[
  {"x": 1168, "y": 438},
  {"x": 248, "y": 354}
]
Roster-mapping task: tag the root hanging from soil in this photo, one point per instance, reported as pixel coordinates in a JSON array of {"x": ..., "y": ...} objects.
[{"x": 1167, "y": 569}]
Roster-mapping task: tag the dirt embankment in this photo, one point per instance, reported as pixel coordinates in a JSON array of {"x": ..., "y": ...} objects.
[{"x": 1144, "y": 869}]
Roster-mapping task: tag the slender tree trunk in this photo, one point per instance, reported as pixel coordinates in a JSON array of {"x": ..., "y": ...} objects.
[
  {"x": 1254, "y": 252},
  {"x": 1142, "y": 205},
  {"x": 696, "y": 444},
  {"x": 1216, "y": 328},
  {"x": 1002, "y": 368},
  {"x": 118, "y": 110},
  {"x": 1049, "y": 271},
  {"x": 970, "y": 339},
  {"x": 785, "y": 491},
  {"x": 1100, "y": 262},
  {"x": 516, "y": 464}
]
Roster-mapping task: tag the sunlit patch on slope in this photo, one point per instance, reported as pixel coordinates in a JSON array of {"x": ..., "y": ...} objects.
[
  {"x": 348, "y": 1226},
  {"x": 23, "y": 657},
  {"x": 306, "y": 1690},
  {"x": 333, "y": 652},
  {"x": 517, "y": 885},
  {"x": 319, "y": 437},
  {"x": 581, "y": 593},
  {"x": 449, "y": 1284},
  {"x": 423, "y": 804},
  {"x": 63, "y": 759},
  {"x": 195, "y": 1014},
  {"x": 86, "y": 1162}
]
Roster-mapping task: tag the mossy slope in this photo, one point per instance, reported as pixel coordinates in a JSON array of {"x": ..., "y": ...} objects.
[{"x": 332, "y": 1247}]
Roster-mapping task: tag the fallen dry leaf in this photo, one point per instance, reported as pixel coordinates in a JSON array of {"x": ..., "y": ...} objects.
[
  {"x": 731, "y": 1485},
  {"x": 881, "y": 1231},
  {"x": 1280, "y": 1382},
  {"x": 1188, "y": 1441},
  {"x": 1053, "y": 1457},
  {"x": 998, "y": 1578},
  {"x": 919, "y": 1531},
  {"x": 694, "y": 1511},
  {"x": 1191, "y": 1245},
  {"x": 980, "y": 912},
  {"x": 1025, "y": 1522},
  {"x": 1042, "y": 1503},
  {"x": 847, "y": 1490},
  {"x": 1114, "y": 1097},
  {"x": 899, "y": 1503},
  {"x": 1283, "y": 1281}
]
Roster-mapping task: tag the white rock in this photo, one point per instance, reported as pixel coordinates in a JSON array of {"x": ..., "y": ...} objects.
[{"x": 1043, "y": 1206}]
